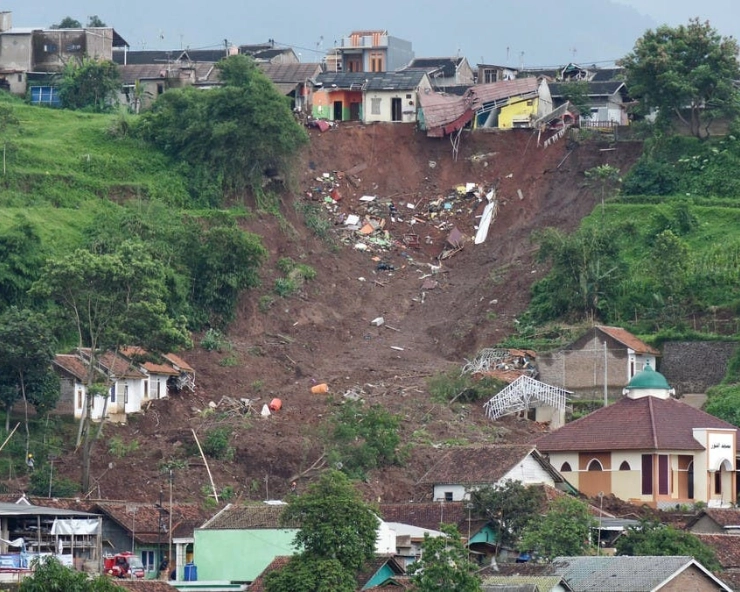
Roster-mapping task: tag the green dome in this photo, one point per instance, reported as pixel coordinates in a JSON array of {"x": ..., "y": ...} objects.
[{"x": 648, "y": 379}]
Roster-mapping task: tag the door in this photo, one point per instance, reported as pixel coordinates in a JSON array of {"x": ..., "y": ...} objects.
[
  {"x": 354, "y": 111},
  {"x": 337, "y": 111},
  {"x": 396, "y": 110}
]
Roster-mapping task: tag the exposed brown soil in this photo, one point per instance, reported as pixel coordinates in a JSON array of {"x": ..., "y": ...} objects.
[{"x": 324, "y": 334}]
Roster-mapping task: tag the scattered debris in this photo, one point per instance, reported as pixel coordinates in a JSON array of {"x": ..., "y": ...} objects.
[
  {"x": 377, "y": 321},
  {"x": 320, "y": 389}
]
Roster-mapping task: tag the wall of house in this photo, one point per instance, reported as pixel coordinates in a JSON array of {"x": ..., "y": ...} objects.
[
  {"x": 518, "y": 113},
  {"x": 459, "y": 493},
  {"x": 239, "y": 555},
  {"x": 707, "y": 525},
  {"x": 99, "y": 43},
  {"x": 692, "y": 578},
  {"x": 399, "y": 54},
  {"x": 529, "y": 471},
  {"x": 15, "y": 51},
  {"x": 52, "y": 49},
  {"x": 581, "y": 367},
  {"x": 157, "y": 386},
  {"x": 323, "y": 103}
]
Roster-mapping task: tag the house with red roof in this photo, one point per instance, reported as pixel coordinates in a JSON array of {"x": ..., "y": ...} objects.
[
  {"x": 604, "y": 354},
  {"x": 648, "y": 448}
]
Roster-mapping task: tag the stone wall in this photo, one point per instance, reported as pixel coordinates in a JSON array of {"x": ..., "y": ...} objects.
[{"x": 694, "y": 366}]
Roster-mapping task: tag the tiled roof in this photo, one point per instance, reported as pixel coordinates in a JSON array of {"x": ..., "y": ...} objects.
[
  {"x": 294, "y": 73},
  {"x": 620, "y": 573},
  {"x": 133, "y": 72},
  {"x": 427, "y": 515},
  {"x": 253, "y": 516},
  {"x": 724, "y": 516},
  {"x": 448, "y": 66},
  {"x": 73, "y": 364},
  {"x": 626, "y": 338},
  {"x": 143, "y": 519},
  {"x": 595, "y": 89},
  {"x": 140, "y": 355},
  {"x": 179, "y": 363},
  {"x": 115, "y": 364},
  {"x": 604, "y": 74},
  {"x": 404, "y": 80},
  {"x": 524, "y": 583},
  {"x": 473, "y": 465},
  {"x": 648, "y": 423},
  {"x": 258, "y": 585},
  {"x": 725, "y": 546}
]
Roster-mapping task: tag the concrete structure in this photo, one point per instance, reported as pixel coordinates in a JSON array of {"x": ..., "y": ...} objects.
[
  {"x": 648, "y": 448},
  {"x": 371, "y": 51}
]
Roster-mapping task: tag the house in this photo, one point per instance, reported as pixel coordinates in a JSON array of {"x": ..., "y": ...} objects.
[
  {"x": 608, "y": 101},
  {"x": 504, "y": 104},
  {"x": 726, "y": 549},
  {"x": 368, "y": 97},
  {"x": 488, "y": 73},
  {"x": 145, "y": 528},
  {"x": 525, "y": 584},
  {"x": 445, "y": 72},
  {"x": 28, "y": 55},
  {"x": 648, "y": 448},
  {"x": 464, "y": 469},
  {"x": 294, "y": 80},
  {"x": 370, "y": 51},
  {"x": 602, "y": 353},
  {"x": 636, "y": 574},
  {"x": 136, "y": 378},
  {"x": 376, "y": 573},
  {"x": 239, "y": 542},
  {"x": 716, "y": 521}
]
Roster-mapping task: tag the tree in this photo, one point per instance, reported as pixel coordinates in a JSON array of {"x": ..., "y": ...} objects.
[
  {"x": 576, "y": 91},
  {"x": 724, "y": 402},
  {"x": 605, "y": 180},
  {"x": 336, "y": 538},
  {"x": 509, "y": 507},
  {"x": 26, "y": 353},
  {"x": 111, "y": 300},
  {"x": 51, "y": 576},
  {"x": 565, "y": 530},
  {"x": 21, "y": 258},
  {"x": 230, "y": 135},
  {"x": 92, "y": 84},
  {"x": 95, "y": 21},
  {"x": 444, "y": 564},
  {"x": 67, "y": 23},
  {"x": 654, "y": 538},
  {"x": 686, "y": 72}
]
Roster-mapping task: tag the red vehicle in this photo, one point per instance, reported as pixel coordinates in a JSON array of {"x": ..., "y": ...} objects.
[{"x": 123, "y": 565}]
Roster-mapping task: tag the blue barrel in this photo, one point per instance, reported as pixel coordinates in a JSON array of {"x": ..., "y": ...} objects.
[{"x": 191, "y": 572}]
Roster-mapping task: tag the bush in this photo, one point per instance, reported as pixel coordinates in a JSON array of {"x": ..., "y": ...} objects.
[
  {"x": 453, "y": 385},
  {"x": 213, "y": 340},
  {"x": 650, "y": 177},
  {"x": 118, "y": 448},
  {"x": 44, "y": 482},
  {"x": 216, "y": 444}
]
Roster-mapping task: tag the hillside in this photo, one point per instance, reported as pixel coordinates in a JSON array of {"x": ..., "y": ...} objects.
[{"x": 280, "y": 347}]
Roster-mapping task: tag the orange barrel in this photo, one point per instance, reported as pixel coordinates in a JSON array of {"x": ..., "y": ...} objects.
[{"x": 275, "y": 405}]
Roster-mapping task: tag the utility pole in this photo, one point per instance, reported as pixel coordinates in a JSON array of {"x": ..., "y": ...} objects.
[{"x": 169, "y": 530}]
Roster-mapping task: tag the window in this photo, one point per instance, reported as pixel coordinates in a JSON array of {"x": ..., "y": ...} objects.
[
  {"x": 73, "y": 47},
  {"x": 663, "y": 484},
  {"x": 79, "y": 398},
  {"x": 408, "y": 96},
  {"x": 125, "y": 394},
  {"x": 375, "y": 106},
  {"x": 159, "y": 388},
  {"x": 113, "y": 393},
  {"x": 146, "y": 389},
  {"x": 565, "y": 468},
  {"x": 718, "y": 482},
  {"x": 50, "y": 48},
  {"x": 625, "y": 466},
  {"x": 490, "y": 76},
  {"x": 20, "y": 77},
  {"x": 147, "y": 558},
  {"x": 647, "y": 474},
  {"x": 448, "y": 496},
  {"x": 595, "y": 465}
]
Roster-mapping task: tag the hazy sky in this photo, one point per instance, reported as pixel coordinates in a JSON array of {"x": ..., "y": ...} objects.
[{"x": 511, "y": 32}]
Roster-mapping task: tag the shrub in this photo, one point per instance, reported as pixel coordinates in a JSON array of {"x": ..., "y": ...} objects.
[
  {"x": 213, "y": 340},
  {"x": 216, "y": 444},
  {"x": 43, "y": 483},
  {"x": 118, "y": 448},
  {"x": 453, "y": 385}
]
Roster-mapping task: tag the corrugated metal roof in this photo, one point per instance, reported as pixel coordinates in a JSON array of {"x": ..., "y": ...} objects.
[{"x": 402, "y": 80}]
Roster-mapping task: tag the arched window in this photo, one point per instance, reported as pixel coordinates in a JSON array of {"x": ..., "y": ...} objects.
[
  {"x": 625, "y": 466},
  {"x": 595, "y": 465},
  {"x": 565, "y": 468}
]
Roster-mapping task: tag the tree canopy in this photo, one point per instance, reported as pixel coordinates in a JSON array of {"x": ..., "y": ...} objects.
[
  {"x": 654, "y": 538},
  {"x": 685, "y": 72},
  {"x": 564, "y": 530},
  {"x": 67, "y": 23},
  {"x": 51, "y": 576},
  {"x": 509, "y": 507},
  {"x": 336, "y": 537},
  {"x": 444, "y": 564},
  {"x": 91, "y": 84},
  {"x": 230, "y": 135}
]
